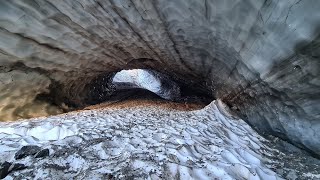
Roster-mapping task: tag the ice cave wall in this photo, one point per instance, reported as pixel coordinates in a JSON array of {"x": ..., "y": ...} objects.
[{"x": 261, "y": 57}]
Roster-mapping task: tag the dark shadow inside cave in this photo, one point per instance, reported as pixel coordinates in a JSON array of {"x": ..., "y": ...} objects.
[
  {"x": 145, "y": 84},
  {"x": 120, "y": 86}
]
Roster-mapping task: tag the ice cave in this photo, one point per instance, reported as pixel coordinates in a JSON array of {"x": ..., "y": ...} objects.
[{"x": 161, "y": 89}]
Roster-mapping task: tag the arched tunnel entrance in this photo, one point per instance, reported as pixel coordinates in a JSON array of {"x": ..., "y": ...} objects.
[
  {"x": 110, "y": 87},
  {"x": 145, "y": 84},
  {"x": 148, "y": 80}
]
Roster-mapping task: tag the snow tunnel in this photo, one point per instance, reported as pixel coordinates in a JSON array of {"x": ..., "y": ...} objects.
[
  {"x": 256, "y": 61},
  {"x": 144, "y": 79}
]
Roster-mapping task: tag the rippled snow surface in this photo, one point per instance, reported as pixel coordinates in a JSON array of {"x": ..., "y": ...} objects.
[{"x": 141, "y": 143}]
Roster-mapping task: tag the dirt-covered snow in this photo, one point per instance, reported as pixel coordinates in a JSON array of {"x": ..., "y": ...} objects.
[{"x": 139, "y": 142}]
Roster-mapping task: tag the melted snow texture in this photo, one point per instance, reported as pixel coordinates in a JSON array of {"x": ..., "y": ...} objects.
[{"x": 142, "y": 143}]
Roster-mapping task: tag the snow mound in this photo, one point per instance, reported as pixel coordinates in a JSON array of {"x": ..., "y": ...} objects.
[{"x": 141, "y": 143}]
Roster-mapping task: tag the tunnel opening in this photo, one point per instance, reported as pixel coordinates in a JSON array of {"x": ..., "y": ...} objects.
[
  {"x": 110, "y": 88},
  {"x": 145, "y": 84},
  {"x": 145, "y": 79}
]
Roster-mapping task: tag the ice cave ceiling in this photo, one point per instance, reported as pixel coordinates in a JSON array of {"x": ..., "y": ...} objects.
[{"x": 261, "y": 57}]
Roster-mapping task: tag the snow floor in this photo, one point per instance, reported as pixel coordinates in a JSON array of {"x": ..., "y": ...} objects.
[{"x": 140, "y": 143}]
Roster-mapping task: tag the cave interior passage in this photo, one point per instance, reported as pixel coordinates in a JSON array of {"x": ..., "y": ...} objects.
[{"x": 150, "y": 84}]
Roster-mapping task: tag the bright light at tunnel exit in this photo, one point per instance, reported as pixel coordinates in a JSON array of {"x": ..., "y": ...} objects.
[{"x": 140, "y": 78}]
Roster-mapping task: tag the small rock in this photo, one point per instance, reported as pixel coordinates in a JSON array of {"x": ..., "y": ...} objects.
[
  {"x": 7, "y": 167},
  {"x": 4, "y": 169},
  {"x": 43, "y": 153},
  {"x": 27, "y": 151}
]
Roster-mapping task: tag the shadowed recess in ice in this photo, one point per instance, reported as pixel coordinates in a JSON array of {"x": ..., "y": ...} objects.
[{"x": 261, "y": 57}]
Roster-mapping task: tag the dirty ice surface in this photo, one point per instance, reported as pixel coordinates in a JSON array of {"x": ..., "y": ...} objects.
[{"x": 138, "y": 142}]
